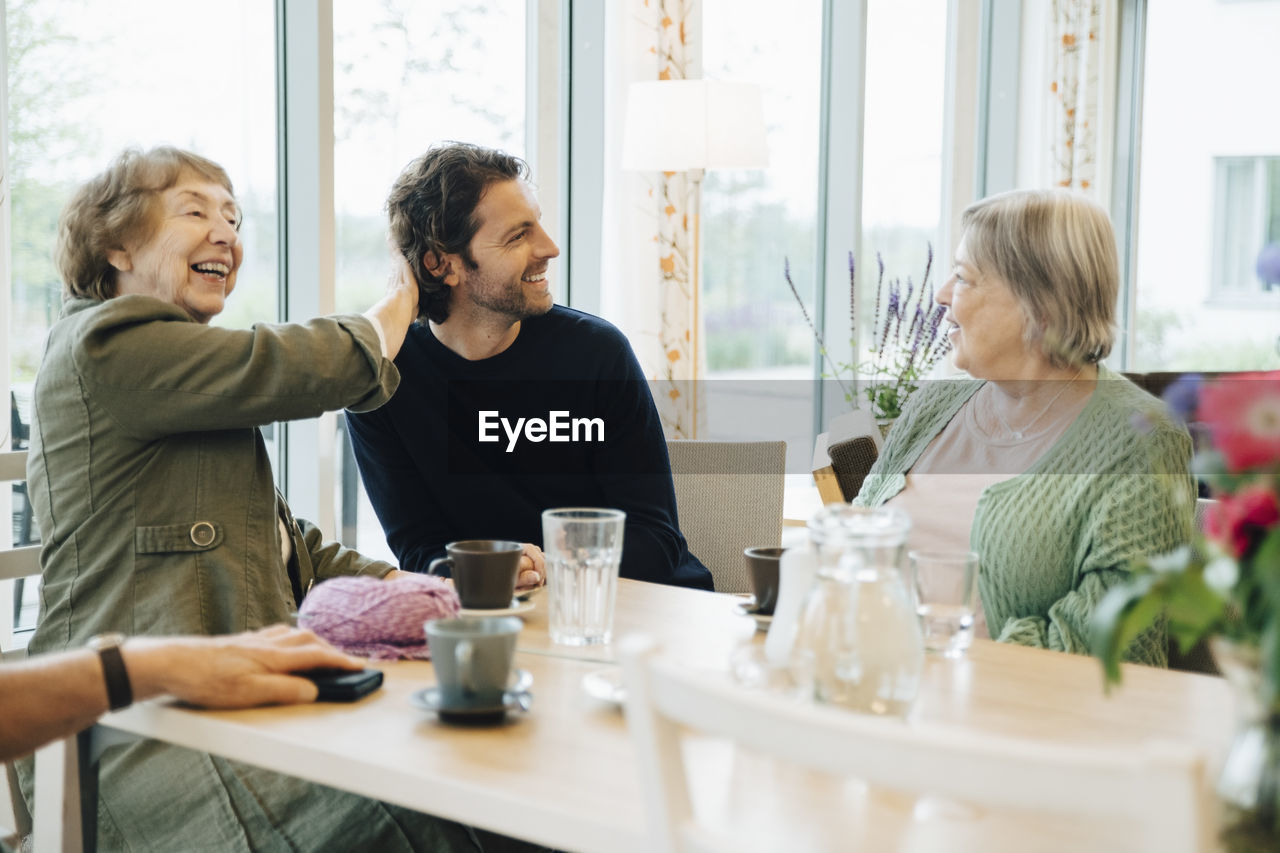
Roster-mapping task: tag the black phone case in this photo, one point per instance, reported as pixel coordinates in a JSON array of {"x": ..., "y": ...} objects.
[{"x": 343, "y": 685}]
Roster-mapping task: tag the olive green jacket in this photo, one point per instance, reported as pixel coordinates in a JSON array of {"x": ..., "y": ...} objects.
[
  {"x": 150, "y": 479},
  {"x": 153, "y": 491}
]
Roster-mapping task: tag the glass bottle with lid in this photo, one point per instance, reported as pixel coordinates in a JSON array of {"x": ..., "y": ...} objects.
[{"x": 858, "y": 621}]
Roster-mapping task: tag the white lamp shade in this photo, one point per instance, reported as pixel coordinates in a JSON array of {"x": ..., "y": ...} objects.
[{"x": 676, "y": 125}]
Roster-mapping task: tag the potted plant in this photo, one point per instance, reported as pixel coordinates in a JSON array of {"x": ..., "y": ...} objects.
[
  {"x": 905, "y": 346},
  {"x": 1224, "y": 586}
]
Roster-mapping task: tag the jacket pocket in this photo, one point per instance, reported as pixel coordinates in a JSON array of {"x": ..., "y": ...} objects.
[{"x": 187, "y": 537}]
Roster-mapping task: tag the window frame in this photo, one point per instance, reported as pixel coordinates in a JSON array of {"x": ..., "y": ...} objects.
[{"x": 1249, "y": 292}]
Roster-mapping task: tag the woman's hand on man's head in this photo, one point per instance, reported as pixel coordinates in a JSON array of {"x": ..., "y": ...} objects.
[{"x": 398, "y": 307}]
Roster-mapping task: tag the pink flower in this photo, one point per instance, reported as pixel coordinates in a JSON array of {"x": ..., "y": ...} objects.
[
  {"x": 1238, "y": 522},
  {"x": 1243, "y": 415}
]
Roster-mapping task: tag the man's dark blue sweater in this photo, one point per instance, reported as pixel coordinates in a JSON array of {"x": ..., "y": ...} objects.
[{"x": 432, "y": 479}]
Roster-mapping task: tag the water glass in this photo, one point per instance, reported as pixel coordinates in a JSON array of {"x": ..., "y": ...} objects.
[
  {"x": 583, "y": 547},
  {"x": 946, "y": 590}
]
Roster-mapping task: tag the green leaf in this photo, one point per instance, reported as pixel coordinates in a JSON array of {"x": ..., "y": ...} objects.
[
  {"x": 1123, "y": 613},
  {"x": 1269, "y": 644},
  {"x": 1265, "y": 563},
  {"x": 1192, "y": 607}
]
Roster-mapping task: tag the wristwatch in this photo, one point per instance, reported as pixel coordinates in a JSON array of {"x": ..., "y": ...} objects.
[{"x": 119, "y": 690}]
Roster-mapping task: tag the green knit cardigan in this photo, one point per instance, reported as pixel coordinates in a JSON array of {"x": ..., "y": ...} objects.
[{"x": 1116, "y": 486}]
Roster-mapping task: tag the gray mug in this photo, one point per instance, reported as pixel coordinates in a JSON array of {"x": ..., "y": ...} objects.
[
  {"x": 472, "y": 659},
  {"x": 484, "y": 571},
  {"x": 762, "y": 564}
]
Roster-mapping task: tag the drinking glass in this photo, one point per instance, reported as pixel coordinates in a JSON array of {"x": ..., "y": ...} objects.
[
  {"x": 946, "y": 589},
  {"x": 583, "y": 547}
]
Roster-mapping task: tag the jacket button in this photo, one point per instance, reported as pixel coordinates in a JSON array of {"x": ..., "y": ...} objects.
[{"x": 202, "y": 533}]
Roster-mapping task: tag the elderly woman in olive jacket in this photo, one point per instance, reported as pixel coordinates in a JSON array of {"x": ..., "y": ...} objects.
[{"x": 154, "y": 495}]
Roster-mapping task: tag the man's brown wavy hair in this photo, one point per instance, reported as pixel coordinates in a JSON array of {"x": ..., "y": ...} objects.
[{"x": 432, "y": 211}]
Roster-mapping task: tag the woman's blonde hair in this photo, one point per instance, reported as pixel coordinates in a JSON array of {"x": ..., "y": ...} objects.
[
  {"x": 116, "y": 207},
  {"x": 1057, "y": 252}
]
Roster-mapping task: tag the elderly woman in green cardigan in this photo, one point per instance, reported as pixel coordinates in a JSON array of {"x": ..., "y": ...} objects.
[
  {"x": 154, "y": 494},
  {"x": 1055, "y": 469}
]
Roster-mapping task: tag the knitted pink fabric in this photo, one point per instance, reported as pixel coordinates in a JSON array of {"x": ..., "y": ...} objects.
[{"x": 378, "y": 619}]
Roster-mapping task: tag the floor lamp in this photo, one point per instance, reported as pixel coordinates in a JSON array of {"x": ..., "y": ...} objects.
[{"x": 691, "y": 126}]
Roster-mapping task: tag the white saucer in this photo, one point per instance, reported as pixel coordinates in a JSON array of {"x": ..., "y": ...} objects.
[
  {"x": 762, "y": 620},
  {"x": 515, "y": 609},
  {"x": 429, "y": 699},
  {"x": 605, "y": 685}
]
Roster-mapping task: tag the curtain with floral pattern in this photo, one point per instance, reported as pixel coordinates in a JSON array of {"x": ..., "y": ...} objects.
[{"x": 1075, "y": 35}]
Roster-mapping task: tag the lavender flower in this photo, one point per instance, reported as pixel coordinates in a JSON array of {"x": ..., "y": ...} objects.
[
  {"x": 875, "y": 322},
  {"x": 822, "y": 345},
  {"x": 905, "y": 337},
  {"x": 1183, "y": 395},
  {"x": 853, "y": 305}
]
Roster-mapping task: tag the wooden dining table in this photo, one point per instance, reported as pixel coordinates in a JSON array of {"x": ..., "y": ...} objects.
[{"x": 564, "y": 773}]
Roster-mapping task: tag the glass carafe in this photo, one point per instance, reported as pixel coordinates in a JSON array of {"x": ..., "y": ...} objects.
[{"x": 858, "y": 620}]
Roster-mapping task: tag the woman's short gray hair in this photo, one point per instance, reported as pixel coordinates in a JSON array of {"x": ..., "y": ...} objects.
[
  {"x": 116, "y": 207},
  {"x": 1057, "y": 252}
]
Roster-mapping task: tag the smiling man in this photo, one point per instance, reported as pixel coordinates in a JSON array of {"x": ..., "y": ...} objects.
[{"x": 508, "y": 404}]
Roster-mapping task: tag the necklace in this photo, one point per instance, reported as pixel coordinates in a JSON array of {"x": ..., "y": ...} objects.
[{"x": 1018, "y": 434}]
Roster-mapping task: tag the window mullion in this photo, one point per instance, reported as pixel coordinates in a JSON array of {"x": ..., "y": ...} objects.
[
  {"x": 305, "y": 169},
  {"x": 1124, "y": 187},
  {"x": 844, "y": 65}
]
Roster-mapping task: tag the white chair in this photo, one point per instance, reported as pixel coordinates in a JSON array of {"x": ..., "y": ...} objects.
[
  {"x": 1159, "y": 786},
  {"x": 15, "y": 563},
  {"x": 728, "y": 497}
]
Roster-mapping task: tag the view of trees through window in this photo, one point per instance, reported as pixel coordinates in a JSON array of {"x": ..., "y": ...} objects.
[
  {"x": 760, "y": 350},
  {"x": 407, "y": 75},
  {"x": 753, "y": 219},
  {"x": 73, "y": 105}
]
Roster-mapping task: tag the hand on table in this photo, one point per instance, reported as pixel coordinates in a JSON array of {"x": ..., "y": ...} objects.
[
  {"x": 533, "y": 568},
  {"x": 236, "y": 671}
]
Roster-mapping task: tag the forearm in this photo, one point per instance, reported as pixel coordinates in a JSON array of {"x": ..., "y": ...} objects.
[
  {"x": 49, "y": 697},
  {"x": 158, "y": 378},
  {"x": 330, "y": 559},
  {"x": 649, "y": 553},
  {"x": 56, "y": 695}
]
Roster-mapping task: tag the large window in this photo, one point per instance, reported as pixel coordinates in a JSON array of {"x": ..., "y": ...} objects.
[
  {"x": 86, "y": 80},
  {"x": 902, "y": 140},
  {"x": 754, "y": 220},
  {"x": 1207, "y": 188},
  {"x": 407, "y": 75},
  {"x": 759, "y": 349}
]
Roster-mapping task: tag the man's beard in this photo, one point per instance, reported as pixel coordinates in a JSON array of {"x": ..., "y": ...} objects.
[{"x": 514, "y": 302}]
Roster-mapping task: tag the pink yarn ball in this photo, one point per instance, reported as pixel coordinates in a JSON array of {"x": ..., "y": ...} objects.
[{"x": 378, "y": 619}]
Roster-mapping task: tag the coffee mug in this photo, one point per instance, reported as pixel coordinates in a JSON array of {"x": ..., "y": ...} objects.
[
  {"x": 484, "y": 571},
  {"x": 762, "y": 564},
  {"x": 472, "y": 659}
]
